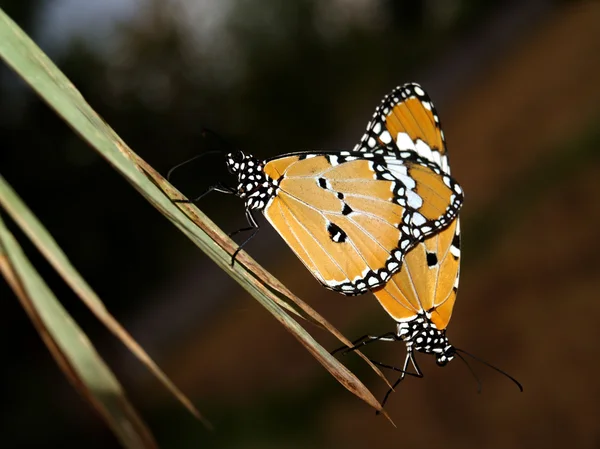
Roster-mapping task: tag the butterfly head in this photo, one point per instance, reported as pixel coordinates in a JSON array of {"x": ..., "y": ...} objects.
[
  {"x": 235, "y": 161},
  {"x": 446, "y": 355},
  {"x": 253, "y": 185}
]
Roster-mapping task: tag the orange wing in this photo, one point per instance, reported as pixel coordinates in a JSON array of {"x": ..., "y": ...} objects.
[
  {"x": 406, "y": 123},
  {"x": 351, "y": 217},
  {"x": 427, "y": 281}
]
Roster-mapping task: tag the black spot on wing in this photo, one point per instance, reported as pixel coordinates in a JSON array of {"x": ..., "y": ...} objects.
[
  {"x": 432, "y": 259},
  {"x": 336, "y": 233},
  {"x": 456, "y": 241}
]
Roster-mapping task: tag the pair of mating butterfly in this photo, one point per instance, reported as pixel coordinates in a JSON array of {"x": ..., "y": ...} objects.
[{"x": 381, "y": 218}]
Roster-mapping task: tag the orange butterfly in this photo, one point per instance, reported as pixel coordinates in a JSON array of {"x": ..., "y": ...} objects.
[
  {"x": 420, "y": 298},
  {"x": 421, "y": 295},
  {"x": 352, "y": 216}
]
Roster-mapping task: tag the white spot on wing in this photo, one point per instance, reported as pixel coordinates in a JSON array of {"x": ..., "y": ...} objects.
[
  {"x": 385, "y": 137},
  {"x": 408, "y": 182},
  {"x": 423, "y": 150},
  {"x": 445, "y": 166},
  {"x": 455, "y": 251},
  {"x": 404, "y": 142},
  {"x": 437, "y": 158},
  {"x": 395, "y": 166},
  {"x": 418, "y": 219},
  {"x": 414, "y": 201}
]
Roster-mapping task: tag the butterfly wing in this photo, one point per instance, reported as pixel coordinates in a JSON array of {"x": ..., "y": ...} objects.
[
  {"x": 427, "y": 281},
  {"x": 351, "y": 217},
  {"x": 406, "y": 123}
]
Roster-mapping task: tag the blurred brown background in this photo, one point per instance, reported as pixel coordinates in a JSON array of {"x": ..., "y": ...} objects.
[{"x": 517, "y": 86}]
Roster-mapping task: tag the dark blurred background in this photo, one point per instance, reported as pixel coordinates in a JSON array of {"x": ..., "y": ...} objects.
[{"x": 517, "y": 86}]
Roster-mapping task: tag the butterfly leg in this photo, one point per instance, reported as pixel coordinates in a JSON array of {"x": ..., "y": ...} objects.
[
  {"x": 394, "y": 368},
  {"x": 215, "y": 188},
  {"x": 249, "y": 228},
  {"x": 254, "y": 227},
  {"x": 409, "y": 357},
  {"x": 365, "y": 340}
]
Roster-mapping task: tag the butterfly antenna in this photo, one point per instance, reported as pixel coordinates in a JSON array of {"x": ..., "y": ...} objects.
[
  {"x": 472, "y": 372},
  {"x": 198, "y": 156},
  {"x": 515, "y": 381}
]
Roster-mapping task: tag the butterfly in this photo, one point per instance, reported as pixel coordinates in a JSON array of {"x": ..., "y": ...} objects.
[
  {"x": 352, "y": 216},
  {"x": 420, "y": 298}
]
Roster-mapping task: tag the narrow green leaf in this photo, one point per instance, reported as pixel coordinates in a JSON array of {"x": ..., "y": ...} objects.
[
  {"x": 42, "y": 239},
  {"x": 71, "y": 348}
]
